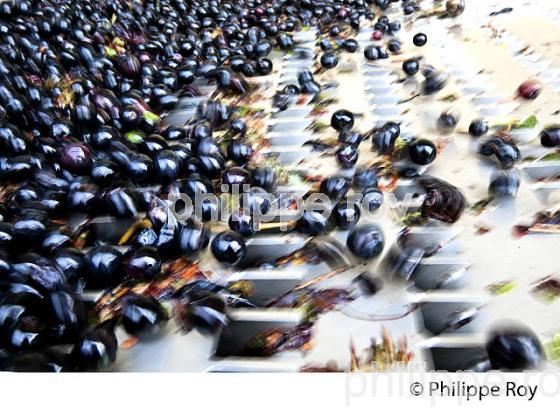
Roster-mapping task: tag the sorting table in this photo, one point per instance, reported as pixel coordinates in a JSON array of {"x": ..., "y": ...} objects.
[{"x": 484, "y": 60}]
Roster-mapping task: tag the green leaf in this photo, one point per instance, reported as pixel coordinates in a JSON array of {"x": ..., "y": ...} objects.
[
  {"x": 400, "y": 143},
  {"x": 244, "y": 110},
  {"x": 110, "y": 52},
  {"x": 450, "y": 98},
  {"x": 553, "y": 156},
  {"x": 150, "y": 116},
  {"x": 317, "y": 126},
  {"x": 413, "y": 219},
  {"x": 480, "y": 206},
  {"x": 499, "y": 288},
  {"x": 530, "y": 122},
  {"x": 346, "y": 70},
  {"x": 545, "y": 296},
  {"x": 552, "y": 349},
  {"x": 134, "y": 136},
  {"x": 321, "y": 101}
]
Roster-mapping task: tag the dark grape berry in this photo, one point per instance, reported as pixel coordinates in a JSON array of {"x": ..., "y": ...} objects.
[
  {"x": 377, "y": 35},
  {"x": 478, "y": 128},
  {"x": 394, "y": 46},
  {"x": 284, "y": 41},
  {"x": 256, "y": 200},
  {"x": 71, "y": 263},
  {"x": 103, "y": 267},
  {"x": 193, "y": 237},
  {"x": 383, "y": 140},
  {"x": 365, "y": 241},
  {"x": 329, "y": 60},
  {"x": 383, "y": 54},
  {"x": 142, "y": 315},
  {"x": 143, "y": 263},
  {"x": 167, "y": 165},
  {"x": 239, "y": 152},
  {"x": 96, "y": 350},
  {"x": 371, "y": 53},
  {"x": 264, "y": 177},
  {"x": 228, "y": 247},
  {"x": 342, "y": 120},
  {"x": 346, "y": 214},
  {"x": 238, "y": 126},
  {"x": 529, "y": 90},
  {"x": 506, "y": 152},
  {"x": 37, "y": 362},
  {"x": 504, "y": 184},
  {"x": 408, "y": 9},
  {"x": 242, "y": 222},
  {"x": 447, "y": 122},
  {"x": 422, "y": 152},
  {"x": 236, "y": 176},
  {"x": 334, "y": 31},
  {"x": 347, "y": 156},
  {"x": 434, "y": 82},
  {"x": 76, "y": 157},
  {"x": 204, "y": 312},
  {"x": 394, "y": 26},
  {"x": 365, "y": 177},
  {"x": 350, "y": 137},
  {"x": 350, "y": 45},
  {"x": 550, "y": 136},
  {"x": 514, "y": 349},
  {"x": 420, "y": 39},
  {"x": 335, "y": 187},
  {"x": 411, "y": 66},
  {"x": 264, "y": 66},
  {"x": 312, "y": 223},
  {"x": 325, "y": 44}
]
